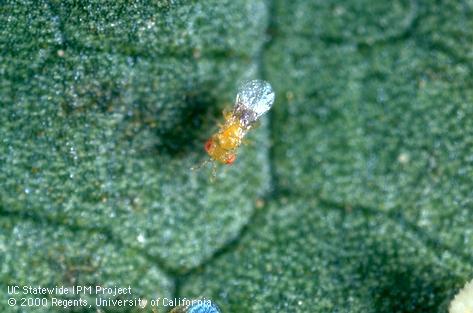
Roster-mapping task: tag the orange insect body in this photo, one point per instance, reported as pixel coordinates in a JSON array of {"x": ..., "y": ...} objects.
[
  {"x": 222, "y": 146},
  {"x": 254, "y": 98}
]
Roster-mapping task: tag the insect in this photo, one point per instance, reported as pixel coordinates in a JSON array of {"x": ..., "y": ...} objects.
[{"x": 254, "y": 98}]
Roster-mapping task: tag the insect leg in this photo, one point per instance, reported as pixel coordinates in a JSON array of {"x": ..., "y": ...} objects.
[{"x": 199, "y": 166}]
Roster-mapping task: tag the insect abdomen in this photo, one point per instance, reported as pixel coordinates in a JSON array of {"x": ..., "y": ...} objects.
[{"x": 221, "y": 147}]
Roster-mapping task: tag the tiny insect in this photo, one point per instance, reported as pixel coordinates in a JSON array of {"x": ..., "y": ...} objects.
[{"x": 254, "y": 98}]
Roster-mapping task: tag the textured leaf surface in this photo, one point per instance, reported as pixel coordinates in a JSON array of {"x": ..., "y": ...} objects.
[
  {"x": 367, "y": 156},
  {"x": 301, "y": 255},
  {"x": 106, "y": 108},
  {"x": 384, "y": 126},
  {"x": 49, "y": 255},
  {"x": 372, "y": 162},
  {"x": 404, "y": 121}
]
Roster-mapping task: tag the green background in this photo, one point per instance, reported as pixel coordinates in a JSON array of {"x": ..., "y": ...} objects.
[{"x": 353, "y": 195}]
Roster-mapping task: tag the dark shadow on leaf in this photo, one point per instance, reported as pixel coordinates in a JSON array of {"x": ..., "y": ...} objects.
[
  {"x": 183, "y": 133},
  {"x": 193, "y": 126},
  {"x": 404, "y": 283}
]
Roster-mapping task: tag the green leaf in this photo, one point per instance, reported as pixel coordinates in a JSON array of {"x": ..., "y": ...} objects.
[
  {"x": 104, "y": 110},
  {"x": 365, "y": 165},
  {"x": 107, "y": 107},
  {"x": 49, "y": 255},
  {"x": 302, "y": 255},
  {"x": 372, "y": 162},
  {"x": 384, "y": 126}
]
